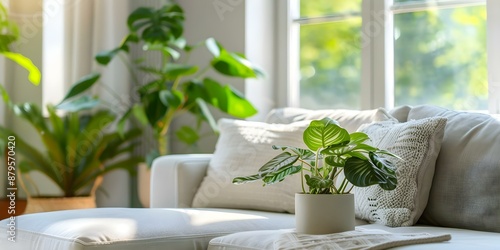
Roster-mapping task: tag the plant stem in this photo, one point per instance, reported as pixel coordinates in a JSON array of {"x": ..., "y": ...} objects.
[
  {"x": 176, "y": 83},
  {"x": 310, "y": 166},
  {"x": 302, "y": 178},
  {"x": 316, "y": 167},
  {"x": 343, "y": 185},
  {"x": 203, "y": 71}
]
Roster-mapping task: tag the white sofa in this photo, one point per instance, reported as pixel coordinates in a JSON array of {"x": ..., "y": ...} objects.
[{"x": 471, "y": 192}]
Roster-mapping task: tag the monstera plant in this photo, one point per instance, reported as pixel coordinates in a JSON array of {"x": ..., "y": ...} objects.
[{"x": 176, "y": 85}]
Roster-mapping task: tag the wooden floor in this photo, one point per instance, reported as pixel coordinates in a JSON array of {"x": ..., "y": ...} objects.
[{"x": 4, "y": 208}]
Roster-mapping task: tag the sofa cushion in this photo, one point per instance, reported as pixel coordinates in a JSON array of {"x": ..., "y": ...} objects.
[
  {"x": 129, "y": 228},
  {"x": 400, "y": 113},
  {"x": 466, "y": 188},
  {"x": 348, "y": 119},
  {"x": 243, "y": 147},
  {"x": 417, "y": 142}
]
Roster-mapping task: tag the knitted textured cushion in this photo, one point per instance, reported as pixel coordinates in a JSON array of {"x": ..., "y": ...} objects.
[{"x": 417, "y": 142}]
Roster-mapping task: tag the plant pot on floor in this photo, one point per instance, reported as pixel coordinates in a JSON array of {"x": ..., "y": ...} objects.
[
  {"x": 324, "y": 213},
  {"x": 48, "y": 204},
  {"x": 41, "y": 204}
]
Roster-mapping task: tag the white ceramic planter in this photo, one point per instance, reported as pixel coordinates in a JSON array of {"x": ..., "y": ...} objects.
[
  {"x": 143, "y": 183},
  {"x": 324, "y": 213}
]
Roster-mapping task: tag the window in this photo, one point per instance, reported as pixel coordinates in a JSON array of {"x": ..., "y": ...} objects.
[
  {"x": 329, "y": 53},
  {"x": 370, "y": 53}
]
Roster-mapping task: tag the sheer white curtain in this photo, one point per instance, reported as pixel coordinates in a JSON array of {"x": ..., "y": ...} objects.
[{"x": 74, "y": 32}]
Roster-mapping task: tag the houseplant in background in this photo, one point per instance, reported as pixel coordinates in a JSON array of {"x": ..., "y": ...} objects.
[
  {"x": 333, "y": 163},
  {"x": 176, "y": 86},
  {"x": 78, "y": 148},
  {"x": 9, "y": 33}
]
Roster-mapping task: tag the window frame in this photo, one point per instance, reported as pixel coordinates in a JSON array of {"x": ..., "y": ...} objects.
[{"x": 377, "y": 69}]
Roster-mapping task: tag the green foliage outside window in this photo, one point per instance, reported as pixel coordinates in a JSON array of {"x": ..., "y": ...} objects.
[{"x": 440, "y": 57}]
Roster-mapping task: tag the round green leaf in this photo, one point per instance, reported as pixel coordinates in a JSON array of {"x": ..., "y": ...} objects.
[{"x": 324, "y": 133}]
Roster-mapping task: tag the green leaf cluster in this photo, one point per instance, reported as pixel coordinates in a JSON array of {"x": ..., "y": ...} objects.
[
  {"x": 178, "y": 86},
  {"x": 331, "y": 150},
  {"x": 9, "y": 33},
  {"x": 78, "y": 147}
]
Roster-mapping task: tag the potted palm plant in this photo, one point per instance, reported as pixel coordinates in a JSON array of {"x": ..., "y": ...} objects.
[
  {"x": 9, "y": 33},
  {"x": 333, "y": 163},
  {"x": 176, "y": 85},
  {"x": 78, "y": 148}
]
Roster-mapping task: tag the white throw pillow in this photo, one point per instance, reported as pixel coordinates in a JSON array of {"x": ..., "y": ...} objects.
[
  {"x": 243, "y": 147},
  {"x": 418, "y": 143}
]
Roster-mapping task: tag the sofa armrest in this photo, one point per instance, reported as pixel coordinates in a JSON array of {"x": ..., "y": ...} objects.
[{"x": 176, "y": 178}]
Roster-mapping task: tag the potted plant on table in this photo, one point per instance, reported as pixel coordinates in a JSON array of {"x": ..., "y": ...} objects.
[
  {"x": 175, "y": 85},
  {"x": 327, "y": 206},
  {"x": 78, "y": 148}
]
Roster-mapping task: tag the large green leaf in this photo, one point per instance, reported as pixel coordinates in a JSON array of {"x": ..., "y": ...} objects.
[
  {"x": 153, "y": 107},
  {"x": 150, "y": 87},
  {"x": 335, "y": 160},
  {"x": 82, "y": 85},
  {"x": 34, "y": 73},
  {"x": 227, "y": 99},
  {"x": 363, "y": 173},
  {"x": 172, "y": 71},
  {"x": 78, "y": 104},
  {"x": 105, "y": 57},
  {"x": 229, "y": 63},
  {"x": 387, "y": 171},
  {"x": 171, "y": 98},
  {"x": 187, "y": 135},
  {"x": 304, "y": 154},
  {"x": 282, "y": 160},
  {"x": 165, "y": 49},
  {"x": 207, "y": 115},
  {"x": 32, "y": 114},
  {"x": 55, "y": 140},
  {"x": 324, "y": 133},
  {"x": 157, "y": 26},
  {"x": 247, "y": 179},
  {"x": 278, "y": 168},
  {"x": 280, "y": 174}
]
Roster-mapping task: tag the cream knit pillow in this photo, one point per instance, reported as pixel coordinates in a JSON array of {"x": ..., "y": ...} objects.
[
  {"x": 418, "y": 143},
  {"x": 243, "y": 147}
]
